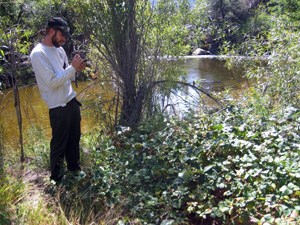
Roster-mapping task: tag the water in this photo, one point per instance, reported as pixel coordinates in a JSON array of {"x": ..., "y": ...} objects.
[
  {"x": 207, "y": 72},
  {"x": 211, "y": 75},
  {"x": 35, "y": 111}
]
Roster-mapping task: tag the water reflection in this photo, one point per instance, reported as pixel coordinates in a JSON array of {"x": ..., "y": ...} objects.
[{"x": 211, "y": 75}]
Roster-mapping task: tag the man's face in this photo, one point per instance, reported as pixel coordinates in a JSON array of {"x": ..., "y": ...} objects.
[{"x": 58, "y": 39}]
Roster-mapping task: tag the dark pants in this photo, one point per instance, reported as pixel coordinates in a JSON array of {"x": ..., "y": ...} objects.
[{"x": 65, "y": 124}]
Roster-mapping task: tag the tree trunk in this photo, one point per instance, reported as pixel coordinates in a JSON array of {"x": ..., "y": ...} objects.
[
  {"x": 1, "y": 154},
  {"x": 127, "y": 55},
  {"x": 119, "y": 43},
  {"x": 19, "y": 117},
  {"x": 132, "y": 107},
  {"x": 17, "y": 104}
]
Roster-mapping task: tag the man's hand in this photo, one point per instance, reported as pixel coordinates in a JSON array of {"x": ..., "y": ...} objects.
[{"x": 78, "y": 63}]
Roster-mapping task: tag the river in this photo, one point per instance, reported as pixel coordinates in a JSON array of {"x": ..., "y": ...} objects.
[{"x": 209, "y": 72}]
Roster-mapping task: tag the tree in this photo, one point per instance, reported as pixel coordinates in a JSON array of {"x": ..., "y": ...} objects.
[
  {"x": 132, "y": 39},
  {"x": 277, "y": 52},
  {"x": 13, "y": 39},
  {"x": 220, "y": 21}
]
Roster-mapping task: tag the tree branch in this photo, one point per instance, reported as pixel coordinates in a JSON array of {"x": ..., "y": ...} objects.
[{"x": 189, "y": 85}]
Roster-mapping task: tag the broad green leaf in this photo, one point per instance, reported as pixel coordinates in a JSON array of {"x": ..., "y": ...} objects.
[
  {"x": 167, "y": 222},
  {"x": 285, "y": 190}
]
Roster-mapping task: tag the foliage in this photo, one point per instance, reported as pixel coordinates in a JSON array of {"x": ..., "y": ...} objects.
[
  {"x": 37, "y": 147},
  {"x": 14, "y": 44},
  {"x": 22, "y": 22},
  {"x": 219, "y": 21},
  {"x": 240, "y": 165},
  {"x": 14, "y": 67},
  {"x": 20, "y": 205},
  {"x": 235, "y": 167},
  {"x": 274, "y": 62},
  {"x": 10, "y": 194},
  {"x": 169, "y": 28},
  {"x": 280, "y": 77},
  {"x": 133, "y": 37},
  {"x": 286, "y": 7}
]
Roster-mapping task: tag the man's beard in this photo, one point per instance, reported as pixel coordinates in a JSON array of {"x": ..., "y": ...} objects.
[{"x": 55, "y": 42}]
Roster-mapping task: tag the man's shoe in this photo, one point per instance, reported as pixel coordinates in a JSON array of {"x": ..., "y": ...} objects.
[
  {"x": 58, "y": 178},
  {"x": 80, "y": 174},
  {"x": 55, "y": 182}
]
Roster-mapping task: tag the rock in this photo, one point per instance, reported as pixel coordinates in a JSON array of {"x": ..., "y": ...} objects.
[{"x": 200, "y": 51}]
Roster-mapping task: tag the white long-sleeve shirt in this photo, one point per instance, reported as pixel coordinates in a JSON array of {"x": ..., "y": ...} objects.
[{"x": 54, "y": 82}]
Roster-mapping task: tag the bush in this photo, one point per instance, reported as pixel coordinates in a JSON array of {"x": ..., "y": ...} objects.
[
  {"x": 233, "y": 167},
  {"x": 274, "y": 63}
]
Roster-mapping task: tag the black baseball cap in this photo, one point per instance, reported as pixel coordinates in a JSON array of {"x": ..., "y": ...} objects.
[{"x": 60, "y": 24}]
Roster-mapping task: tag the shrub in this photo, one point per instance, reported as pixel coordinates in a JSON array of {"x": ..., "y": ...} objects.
[
  {"x": 232, "y": 166},
  {"x": 274, "y": 63}
]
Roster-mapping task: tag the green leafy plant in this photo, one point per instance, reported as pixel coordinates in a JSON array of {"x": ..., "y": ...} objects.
[
  {"x": 273, "y": 61},
  {"x": 235, "y": 166}
]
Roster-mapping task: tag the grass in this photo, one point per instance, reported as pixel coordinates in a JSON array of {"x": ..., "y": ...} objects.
[
  {"x": 22, "y": 203},
  {"x": 10, "y": 194},
  {"x": 28, "y": 198}
]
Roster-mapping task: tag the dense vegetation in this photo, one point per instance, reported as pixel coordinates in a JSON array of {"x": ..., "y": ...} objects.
[
  {"x": 239, "y": 165},
  {"x": 204, "y": 169},
  {"x": 223, "y": 167}
]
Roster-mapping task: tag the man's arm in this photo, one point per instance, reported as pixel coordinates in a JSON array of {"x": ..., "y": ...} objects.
[{"x": 43, "y": 70}]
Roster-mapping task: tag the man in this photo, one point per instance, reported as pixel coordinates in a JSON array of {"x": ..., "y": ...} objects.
[{"x": 54, "y": 75}]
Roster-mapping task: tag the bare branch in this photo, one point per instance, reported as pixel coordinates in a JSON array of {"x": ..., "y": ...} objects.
[{"x": 189, "y": 85}]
